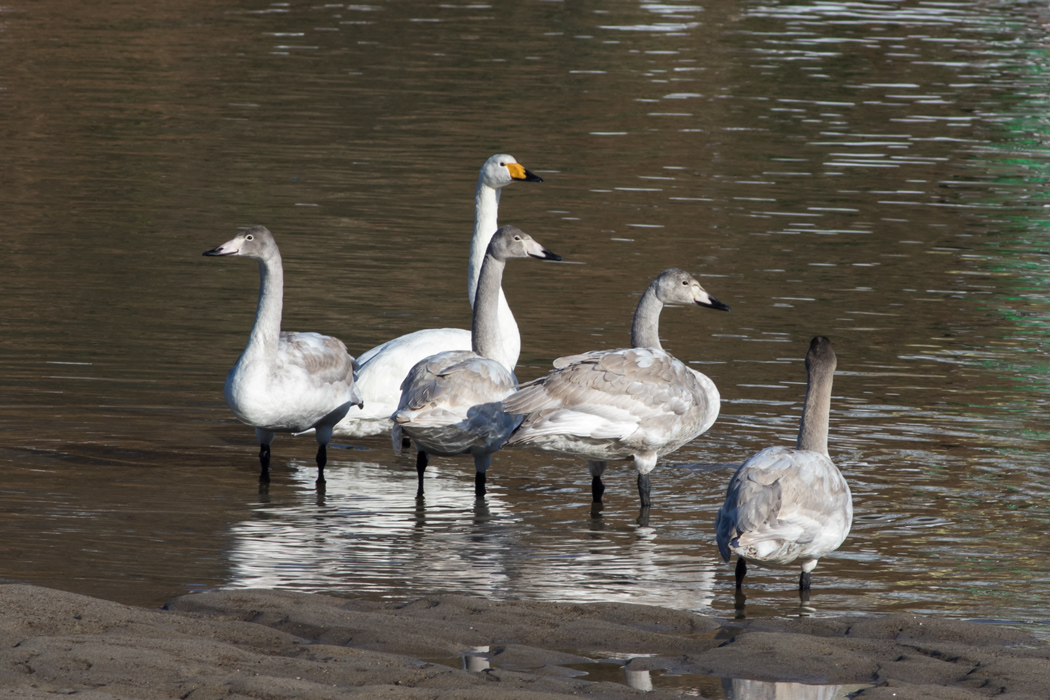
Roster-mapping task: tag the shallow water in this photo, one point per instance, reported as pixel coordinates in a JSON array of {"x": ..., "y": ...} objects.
[{"x": 869, "y": 171}]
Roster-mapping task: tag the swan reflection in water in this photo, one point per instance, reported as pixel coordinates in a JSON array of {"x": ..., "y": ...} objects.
[
  {"x": 367, "y": 534},
  {"x": 744, "y": 689},
  {"x": 373, "y": 539}
]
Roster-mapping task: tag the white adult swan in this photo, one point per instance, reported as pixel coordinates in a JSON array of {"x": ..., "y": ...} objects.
[
  {"x": 784, "y": 504},
  {"x": 640, "y": 403},
  {"x": 285, "y": 382},
  {"x": 384, "y": 367},
  {"x": 451, "y": 402}
]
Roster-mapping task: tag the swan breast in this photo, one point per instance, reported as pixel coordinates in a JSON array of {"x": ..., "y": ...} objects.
[{"x": 310, "y": 379}]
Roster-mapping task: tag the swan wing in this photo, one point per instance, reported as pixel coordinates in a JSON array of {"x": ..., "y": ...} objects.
[
  {"x": 642, "y": 395},
  {"x": 322, "y": 357}
]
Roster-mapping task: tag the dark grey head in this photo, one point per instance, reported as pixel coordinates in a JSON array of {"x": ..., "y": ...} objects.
[{"x": 821, "y": 355}]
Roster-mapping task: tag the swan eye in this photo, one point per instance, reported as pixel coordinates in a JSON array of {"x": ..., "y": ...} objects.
[
  {"x": 249, "y": 237},
  {"x": 517, "y": 238},
  {"x": 685, "y": 282}
]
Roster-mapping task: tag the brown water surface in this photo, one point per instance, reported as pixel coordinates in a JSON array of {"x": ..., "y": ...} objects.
[{"x": 874, "y": 172}]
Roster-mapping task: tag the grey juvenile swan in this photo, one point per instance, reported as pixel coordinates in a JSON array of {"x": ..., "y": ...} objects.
[
  {"x": 640, "y": 403},
  {"x": 451, "y": 402},
  {"x": 285, "y": 382},
  {"x": 789, "y": 505},
  {"x": 384, "y": 367}
]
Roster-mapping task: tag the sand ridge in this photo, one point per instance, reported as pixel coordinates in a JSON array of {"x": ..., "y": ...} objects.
[{"x": 275, "y": 644}]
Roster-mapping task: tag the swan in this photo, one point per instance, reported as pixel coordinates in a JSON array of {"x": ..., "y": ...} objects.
[
  {"x": 384, "y": 367},
  {"x": 790, "y": 504},
  {"x": 639, "y": 403},
  {"x": 451, "y": 402},
  {"x": 285, "y": 382}
]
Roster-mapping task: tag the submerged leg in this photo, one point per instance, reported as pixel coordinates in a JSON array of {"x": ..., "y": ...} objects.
[
  {"x": 265, "y": 437},
  {"x": 643, "y": 490},
  {"x": 597, "y": 487},
  {"x": 741, "y": 571},
  {"x": 421, "y": 465},
  {"x": 645, "y": 463},
  {"x": 324, "y": 436},
  {"x": 481, "y": 467},
  {"x": 322, "y": 459}
]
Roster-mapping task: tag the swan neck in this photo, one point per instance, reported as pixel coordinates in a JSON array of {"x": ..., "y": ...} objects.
[
  {"x": 486, "y": 209},
  {"x": 813, "y": 429},
  {"x": 484, "y": 328},
  {"x": 267, "y": 329},
  {"x": 645, "y": 331}
]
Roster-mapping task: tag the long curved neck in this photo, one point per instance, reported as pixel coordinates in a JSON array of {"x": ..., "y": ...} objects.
[
  {"x": 645, "y": 331},
  {"x": 486, "y": 209},
  {"x": 813, "y": 429},
  {"x": 484, "y": 328},
  {"x": 267, "y": 329}
]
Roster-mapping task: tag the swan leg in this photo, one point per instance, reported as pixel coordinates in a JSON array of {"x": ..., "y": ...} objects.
[
  {"x": 481, "y": 467},
  {"x": 324, "y": 436},
  {"x": 741, "y": 572},
  {"x": 265, "y": 437},
  {"x": 644, "y": 490},
  {"x": 597, "y": 487},
  {"x": 322, "y": 459},
  {"x": 421, "y": 465},
  {"x": 645, "y": 463},
  {"x": 803, "y": 581}
]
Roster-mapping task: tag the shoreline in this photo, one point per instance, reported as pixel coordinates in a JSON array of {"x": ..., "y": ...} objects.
[{"x": 275, "y": 644}]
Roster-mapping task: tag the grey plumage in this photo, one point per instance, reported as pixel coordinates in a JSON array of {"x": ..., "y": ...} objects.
[
  {"x": 638, "y": 403},
  {"x": 790, "y": 504}
]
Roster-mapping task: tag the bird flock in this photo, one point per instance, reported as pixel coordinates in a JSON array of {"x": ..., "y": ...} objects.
[{"x": 448, "y": 392}]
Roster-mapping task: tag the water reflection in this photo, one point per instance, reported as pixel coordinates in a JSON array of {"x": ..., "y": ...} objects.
[{"x": 367, "y": 533}]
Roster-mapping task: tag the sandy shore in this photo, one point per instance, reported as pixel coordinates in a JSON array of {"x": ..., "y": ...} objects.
[{"x": 274, "y": 645}]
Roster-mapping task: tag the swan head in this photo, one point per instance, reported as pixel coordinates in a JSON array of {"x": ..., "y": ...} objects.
[
  {"x": 675, "y": 286},
  {"x": 821, "y": 356},
  {"x": 255, "y": 242},
  {"x": 511, "y": 242},
  {"x": 501, "y": 169}
]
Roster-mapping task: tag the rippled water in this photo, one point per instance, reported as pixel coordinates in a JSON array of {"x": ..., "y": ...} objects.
[{"x": 871, "y": 171}]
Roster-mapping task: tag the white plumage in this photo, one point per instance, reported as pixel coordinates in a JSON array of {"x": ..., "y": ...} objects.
[
  {"x": 285, "y": 382},
  {"x": 639, "y": 403},
  {"x": 384, "y": 367},
  {"x": 790, "y": 505}
]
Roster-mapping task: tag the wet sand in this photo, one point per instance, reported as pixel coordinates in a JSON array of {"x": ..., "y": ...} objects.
[{"x": 271, "y": 644}]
